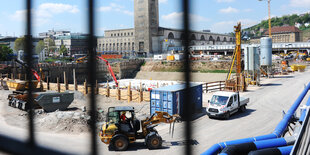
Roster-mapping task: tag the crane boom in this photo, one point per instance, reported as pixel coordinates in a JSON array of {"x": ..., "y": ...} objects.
[
  {"x": 34, "y": 72},
  {"x": 110, "y": 69}
]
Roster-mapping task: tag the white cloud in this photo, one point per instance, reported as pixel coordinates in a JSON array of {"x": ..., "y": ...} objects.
[
  {"x": 117, "y": 8},
  {"x": 162, "y": 1},
  {"x": 57, "y": 8},
  {"x": 248, "y": 10},
  {"x": 300, "y": 3},
  {"x": 175, "y": 19},
  {"x": 45, "y": 12},
  {"x": 229, "y": 10},
  {"x": 228, "y": 26},
  {"x": 19, "y": 15},
  {"x": 225, "y": 1}
]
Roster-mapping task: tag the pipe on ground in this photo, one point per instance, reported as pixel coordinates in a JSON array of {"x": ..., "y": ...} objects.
[
  {"x": 216, "y": 148},
  {"x": 245, "y": 148},
  {"x": 286, "y": 150}
]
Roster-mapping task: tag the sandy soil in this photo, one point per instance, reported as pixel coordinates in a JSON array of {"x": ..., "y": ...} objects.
[
  {"x": 179, "y": 76},
  {"x": 74, "y": 120}
]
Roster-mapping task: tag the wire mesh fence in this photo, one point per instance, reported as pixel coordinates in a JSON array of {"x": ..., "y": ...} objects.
[{"x": 14, "y": 146}]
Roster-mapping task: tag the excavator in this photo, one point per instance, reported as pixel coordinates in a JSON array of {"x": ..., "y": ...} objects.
[
  {"x": 34, "y": 72},
  {"x": 118, "y": 133},
  {"x": 82, "y": 59}
]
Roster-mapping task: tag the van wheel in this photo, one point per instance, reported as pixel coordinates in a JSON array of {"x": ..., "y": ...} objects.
[
  {"x": 227, "y": 115},
  {"x": 242, "y": 108}
]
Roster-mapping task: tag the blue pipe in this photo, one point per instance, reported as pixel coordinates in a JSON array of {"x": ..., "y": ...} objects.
[
  {"x": 245, "y": 148},
  {"x": 303, "y": 113},
  {"x": 216, "y": 148},
  {"x": 286, "y": 150},
  {"x": 270, "y": 143}
]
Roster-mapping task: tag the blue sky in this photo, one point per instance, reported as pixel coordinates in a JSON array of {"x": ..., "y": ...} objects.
[{"x": 216, "y": 15}]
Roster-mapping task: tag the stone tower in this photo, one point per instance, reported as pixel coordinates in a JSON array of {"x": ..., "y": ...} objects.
[{"x": 146, "y": 24}]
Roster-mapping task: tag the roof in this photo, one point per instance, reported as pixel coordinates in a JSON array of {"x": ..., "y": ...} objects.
[
  {"x": 124, "y": 108},
  {"x": 283, "y": 29},
  {"x": 224, "y": 93},
  {"x": 176, "y": 87}
]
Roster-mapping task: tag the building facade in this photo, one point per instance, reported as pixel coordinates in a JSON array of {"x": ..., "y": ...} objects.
[
  {"x": 148, "y": 37},
  {"x": 74, "y": 43},
  {"x": 117, "y": 40},
  {"x": 285, "y": 34}
]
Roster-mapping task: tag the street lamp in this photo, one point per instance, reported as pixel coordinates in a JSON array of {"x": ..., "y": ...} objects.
[{"x": 269, "y": 19}]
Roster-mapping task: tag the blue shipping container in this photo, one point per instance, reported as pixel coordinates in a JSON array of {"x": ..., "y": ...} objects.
[{"x": 171, "y": 98}]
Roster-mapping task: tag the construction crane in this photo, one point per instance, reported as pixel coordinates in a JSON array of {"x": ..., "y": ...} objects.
[
  {"x": 238, "y": 83},
  {"x": 82, "y": 59},
  {"x": 269, "y": 18}
]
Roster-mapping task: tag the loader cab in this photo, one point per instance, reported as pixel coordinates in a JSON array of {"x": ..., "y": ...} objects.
[{"x": 130, "y": 125}]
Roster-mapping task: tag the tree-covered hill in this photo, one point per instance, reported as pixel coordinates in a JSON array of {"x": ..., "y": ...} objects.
[{"x": 302, "y": 21}]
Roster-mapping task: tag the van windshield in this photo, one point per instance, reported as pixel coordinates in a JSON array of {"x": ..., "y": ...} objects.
[{"x": 219, "y": 100}]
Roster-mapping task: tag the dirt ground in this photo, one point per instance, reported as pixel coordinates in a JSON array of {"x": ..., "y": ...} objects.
[{"x": 74, "y": 120}]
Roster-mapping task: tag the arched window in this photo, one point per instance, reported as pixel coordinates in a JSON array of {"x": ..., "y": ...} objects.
[
  {"x": 218, "y": 39},
  {"x": 193, "y": 37},
  {"x": 230, "y": 39},
  {"x": 211, "y": 38},
  {"x": 224, "y": 39},
  {"x": 202, "y": 38},
  {"x": 170, "y": 35}
]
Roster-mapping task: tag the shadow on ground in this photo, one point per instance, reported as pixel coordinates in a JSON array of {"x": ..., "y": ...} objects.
[
  {"x": 271, "y": 84},
  {"x": 241, "y": 114}
]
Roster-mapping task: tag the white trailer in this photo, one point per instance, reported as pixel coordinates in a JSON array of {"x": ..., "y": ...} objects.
[{"x": 223, "y": 104}]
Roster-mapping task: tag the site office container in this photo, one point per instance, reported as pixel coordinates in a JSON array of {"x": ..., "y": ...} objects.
[{"x": 171, "y": 98}]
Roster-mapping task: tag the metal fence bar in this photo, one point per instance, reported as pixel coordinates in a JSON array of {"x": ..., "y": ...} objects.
[
  {"x": 187, "y": 113},
  {"x": 28, "y": 49},
  {"x": 92, "y": 75}
]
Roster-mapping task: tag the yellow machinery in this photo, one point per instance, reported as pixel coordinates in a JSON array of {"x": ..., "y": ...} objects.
[
  {"x": 118, "y": 133},
  {"x": 237, "y": 84}
]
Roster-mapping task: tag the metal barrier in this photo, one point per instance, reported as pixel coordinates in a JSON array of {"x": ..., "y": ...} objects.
[
  {"x": 213, "y": 86},
  {"x": 14, "y": 146}
]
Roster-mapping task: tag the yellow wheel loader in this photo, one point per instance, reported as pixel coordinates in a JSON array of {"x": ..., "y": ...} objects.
[{"x": 118, "y": 133}]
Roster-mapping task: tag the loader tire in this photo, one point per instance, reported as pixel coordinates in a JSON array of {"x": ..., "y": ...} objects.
[
  {"x": 119, "y": 143},
  {"x": 153, "y": 141}
]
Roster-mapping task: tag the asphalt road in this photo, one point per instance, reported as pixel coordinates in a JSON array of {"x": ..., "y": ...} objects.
[{"x": 261, "y": 117}]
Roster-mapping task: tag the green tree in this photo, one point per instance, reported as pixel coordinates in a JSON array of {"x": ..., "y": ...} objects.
[
  {"x": 40, "y": 46},
  {"x": 63, "y": 50},
  {"x": 19, "y": 44},
  {"x": 4, "y": 52}
]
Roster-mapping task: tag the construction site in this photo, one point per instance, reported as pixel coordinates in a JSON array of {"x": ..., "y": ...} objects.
[{"x": 141, "y": 103}]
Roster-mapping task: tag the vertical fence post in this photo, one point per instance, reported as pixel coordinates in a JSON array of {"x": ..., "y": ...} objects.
[
  {"x": 26, "y": 77},
  {"x": 85, "y": 87},
  {"x": 140, "y": 93},
  {"x": 48, "y": 83},
  {"x": 129, "y": 97},
  {"x": 118, "y": 94},
  {"x": 66, "y": 81},
  {"x": 206, "y": 87},
  {"x": 58, "y": 85},
  {"x": 74, "y": 80},
  {"x": 108, "y": 89}
]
